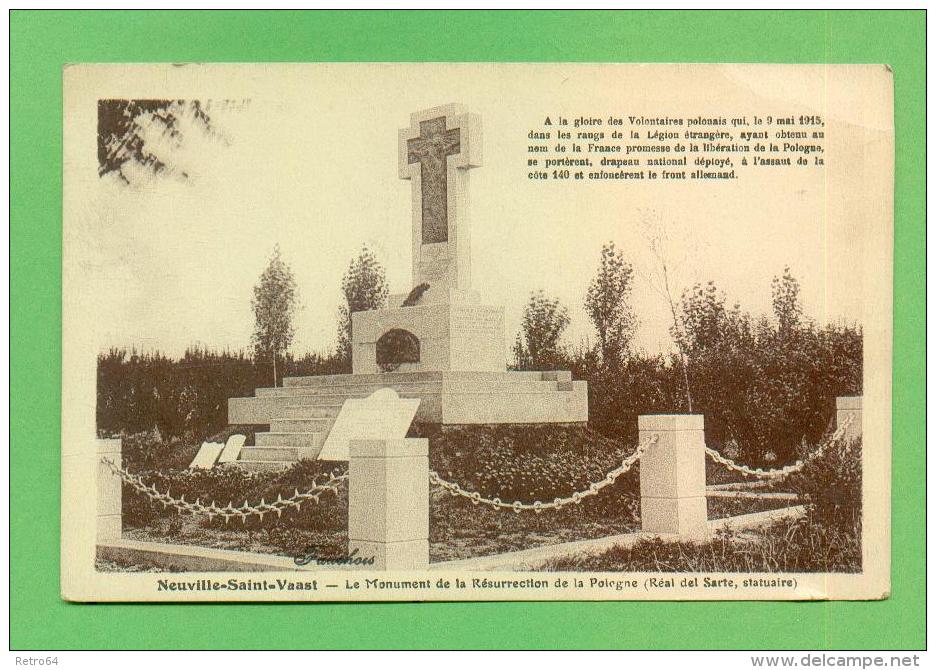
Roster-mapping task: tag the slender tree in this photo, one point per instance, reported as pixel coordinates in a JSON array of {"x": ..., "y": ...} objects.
[
  {"x": 607, "y": 304},
  {"x": 653, "y": 228},
  {"x": 544, "y": 320},
  {"x": 786, "y": 302},
  {"x": 364, "y": 286},
  {"x": 274, "y": 304}
]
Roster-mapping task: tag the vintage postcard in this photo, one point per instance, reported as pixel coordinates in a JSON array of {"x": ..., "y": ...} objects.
[{"x": 450, "y": 331}]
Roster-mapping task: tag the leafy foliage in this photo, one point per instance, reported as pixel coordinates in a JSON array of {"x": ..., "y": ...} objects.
[
  {"x": 230, "y": 484},
  {"x": 538, "y": 347},
  {"x": 766, "y": 386},
  {"x": 607, "y": 304},
  {"x": 143, "y": 133},
  {"x": 364, "y": 286},
  {"x": 531, "y": 462},
  {"x": 826, "y": 539},
  {"x": 832, "y": 484},
  {"x": 274, "y": 304},
  {"x": 796, "y": 545},
  {"x": 183, "y": 399}
]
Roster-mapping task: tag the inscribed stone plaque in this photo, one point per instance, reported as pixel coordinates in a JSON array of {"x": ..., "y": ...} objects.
[
  {"x": 232, "y": 449},
  {"x": 383, "y": 415},
  {"x": 206, "y": 456}
]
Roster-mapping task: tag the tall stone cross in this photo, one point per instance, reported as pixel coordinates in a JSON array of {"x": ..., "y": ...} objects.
[{"x": 436, "y": 152}]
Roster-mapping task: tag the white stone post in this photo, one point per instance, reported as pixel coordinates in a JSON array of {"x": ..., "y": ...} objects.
[
  {"x": 109, "y": 490},
  {"x": 849, "y": 406},
  {"x": 672, "y": 475},
  {"x": 388, "y": 503}
]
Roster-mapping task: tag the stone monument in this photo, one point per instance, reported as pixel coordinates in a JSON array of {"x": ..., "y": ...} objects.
[
  {"x": 450, "y": 328},
  {"x": 438, "y": 341}
]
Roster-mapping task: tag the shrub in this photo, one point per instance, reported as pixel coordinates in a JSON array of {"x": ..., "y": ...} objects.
[
  {"x": 185, "y": 398},
  {"x": 231, "y": 484},
  {"x": 832, "y": 484},
  {"x": 792, "y": 545},
  {"x": 531, "y": 462}
]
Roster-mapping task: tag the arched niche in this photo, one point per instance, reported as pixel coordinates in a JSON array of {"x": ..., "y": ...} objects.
[{"x": 396, "y": 347}]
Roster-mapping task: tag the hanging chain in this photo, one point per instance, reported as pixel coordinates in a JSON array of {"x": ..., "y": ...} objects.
[
  {"x": 789, "y": 469},
  {"x": 228, "y": 512},
  {"x": 537, "y": 506}
]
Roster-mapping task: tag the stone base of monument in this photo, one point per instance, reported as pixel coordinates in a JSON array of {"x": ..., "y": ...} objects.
[
  {"x": 302, "y": 412},
  {"x": 438, "y": 342},
  {"x": 449, "y": 335}
]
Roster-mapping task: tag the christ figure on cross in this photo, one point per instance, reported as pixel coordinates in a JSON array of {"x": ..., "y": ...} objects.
[{"x": 431, "y": 150}]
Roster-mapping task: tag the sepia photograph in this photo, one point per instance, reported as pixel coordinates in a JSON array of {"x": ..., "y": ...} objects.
[
  {"x": 414, "y": 332},
  {"x": 608, "y": 339}
]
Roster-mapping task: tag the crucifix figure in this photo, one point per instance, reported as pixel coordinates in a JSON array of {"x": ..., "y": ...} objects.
[
  {"x": 435, "y": 154},
  {"x": 431, "y": 150}
]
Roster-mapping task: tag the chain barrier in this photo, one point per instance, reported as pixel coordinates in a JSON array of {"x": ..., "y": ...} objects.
[
  {"x": 789, "y": 469},
  {"x": 558, "y": 503},
  {"x": 228, "y": 511}
]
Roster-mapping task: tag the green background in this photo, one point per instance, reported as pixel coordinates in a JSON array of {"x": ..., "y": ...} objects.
[{"x": 41, "y": 42}]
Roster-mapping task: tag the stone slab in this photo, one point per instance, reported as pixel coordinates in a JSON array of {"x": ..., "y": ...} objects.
[
  {"x": 663, "y": 422},
  {"x": 848, "y": 402},
  {"x": 381, "y": 416},
  {"x": 207, "y": 455},
  {"x": 262, "y": 411},
  {"x": 391, "y": 378},
  {"x": 506, "y": 384},
  {"x": 511, "y": 407},
  {"x": 232, "y": 449},
  {"x": 463, "y": 397}
]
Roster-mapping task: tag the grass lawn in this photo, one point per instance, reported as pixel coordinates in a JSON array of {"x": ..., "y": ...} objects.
[
  {"x": 806, "y": 544},
  {"x": 457, "y": 528},
  {"x": 530, "y": 465}
]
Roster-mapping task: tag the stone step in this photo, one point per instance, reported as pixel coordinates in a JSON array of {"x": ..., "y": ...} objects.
[
  {"x": 334, "y": 393},
  {"x": 302, "y": 425},
  {"x": 388, "y": 377},
  {"x": 391, "y": 378},
  {"x": 316, "y": 411},
  {"x": 352, "y": 389},
  {"x": 284, "y": 454},
  {"x": 290, "y": 439},
  {"x": 319, "y": 399}
]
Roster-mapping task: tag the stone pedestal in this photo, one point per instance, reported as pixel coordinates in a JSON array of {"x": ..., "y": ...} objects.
[
  {"x": 109, "y": 490},
  {"x": 463, "y": 336},
  {"x": 672, "y": 475},
  {"x": 388, "y": 503},
  {"x": 845, "y": 407}
]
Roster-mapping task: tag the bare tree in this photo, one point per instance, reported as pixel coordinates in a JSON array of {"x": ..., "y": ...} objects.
[{"x": 654, "y": 230}]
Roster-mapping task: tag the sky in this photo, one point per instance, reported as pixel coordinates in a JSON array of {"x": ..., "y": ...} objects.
[{"x": 309, "y": 163}]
